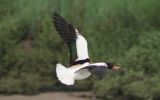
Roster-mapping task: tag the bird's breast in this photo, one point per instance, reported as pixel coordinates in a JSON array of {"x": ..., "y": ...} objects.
[{"x": 82, "y": 74}]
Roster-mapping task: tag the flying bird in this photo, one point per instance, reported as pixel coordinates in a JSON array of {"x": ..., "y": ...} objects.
[{"x": 80, "y": 66}]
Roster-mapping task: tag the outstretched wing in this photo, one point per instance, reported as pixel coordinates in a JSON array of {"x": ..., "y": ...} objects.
[
  {"x": 76, "y": 42},
  {"x": 94, "y": 69},
  {"x": 98, "y": 70},
  {"x": 66, "y": 30}
]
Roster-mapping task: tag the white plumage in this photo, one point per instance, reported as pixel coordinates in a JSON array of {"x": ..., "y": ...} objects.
[
  {"x": 82, "y": 49},
  {"x": 80, "y": 66},
  {"x": 69, "y": 75}
]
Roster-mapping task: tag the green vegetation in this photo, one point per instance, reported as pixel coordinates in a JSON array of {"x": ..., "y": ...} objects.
[{"x": 126, "y": 32}]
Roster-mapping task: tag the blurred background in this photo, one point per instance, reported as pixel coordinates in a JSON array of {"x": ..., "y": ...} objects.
[{"x": 125, "y": 32}]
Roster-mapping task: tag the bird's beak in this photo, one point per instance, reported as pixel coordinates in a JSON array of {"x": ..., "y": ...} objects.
[{"x": 115, "y": 68}]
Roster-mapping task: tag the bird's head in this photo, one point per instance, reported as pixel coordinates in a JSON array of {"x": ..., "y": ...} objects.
[{"x": 113, "y": 66}]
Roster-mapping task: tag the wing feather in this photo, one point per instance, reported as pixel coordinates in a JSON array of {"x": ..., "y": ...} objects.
[
  {"x": 98, "y": 70},
  {"x": 76, "y": 42},
  {"x": 65, "y": 29},
  {"x": 67, "y": 33}
]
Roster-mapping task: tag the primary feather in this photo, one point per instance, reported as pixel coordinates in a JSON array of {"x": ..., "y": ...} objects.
[{"x": 66, "y": 30}]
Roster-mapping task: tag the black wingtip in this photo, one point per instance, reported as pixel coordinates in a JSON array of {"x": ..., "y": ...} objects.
[
  {"x": 65, "y": 29},
  {"x": 58, "y": 18},
  {"x": 55, "y": 14}
]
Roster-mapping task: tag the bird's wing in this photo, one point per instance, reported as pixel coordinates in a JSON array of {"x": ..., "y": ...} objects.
[
  {"x": 65, "y": 29},
  {"x": 95, "y": 69},
  {"x": 70, "y": 35}
]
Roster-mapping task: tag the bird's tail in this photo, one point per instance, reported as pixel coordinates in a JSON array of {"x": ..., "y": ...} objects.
[{"x": 64, "y": 75}]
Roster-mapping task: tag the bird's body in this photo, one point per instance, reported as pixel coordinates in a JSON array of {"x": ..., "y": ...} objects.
[
  {"x": 80, "y": 67},
  {"x": 70, "y": 74},
  {"x": 67, "y": 75},
  {"x": 76, "y": 72}
]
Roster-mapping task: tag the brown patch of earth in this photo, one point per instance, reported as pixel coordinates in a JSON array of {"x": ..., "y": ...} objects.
[{"x": 52, "y": 96}]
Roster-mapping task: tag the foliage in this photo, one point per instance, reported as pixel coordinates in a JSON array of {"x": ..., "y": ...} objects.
[{"x": 120, "y": 31}]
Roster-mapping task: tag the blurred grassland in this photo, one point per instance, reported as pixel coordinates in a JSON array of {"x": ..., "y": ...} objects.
[{"x": 126, "y": 32}]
